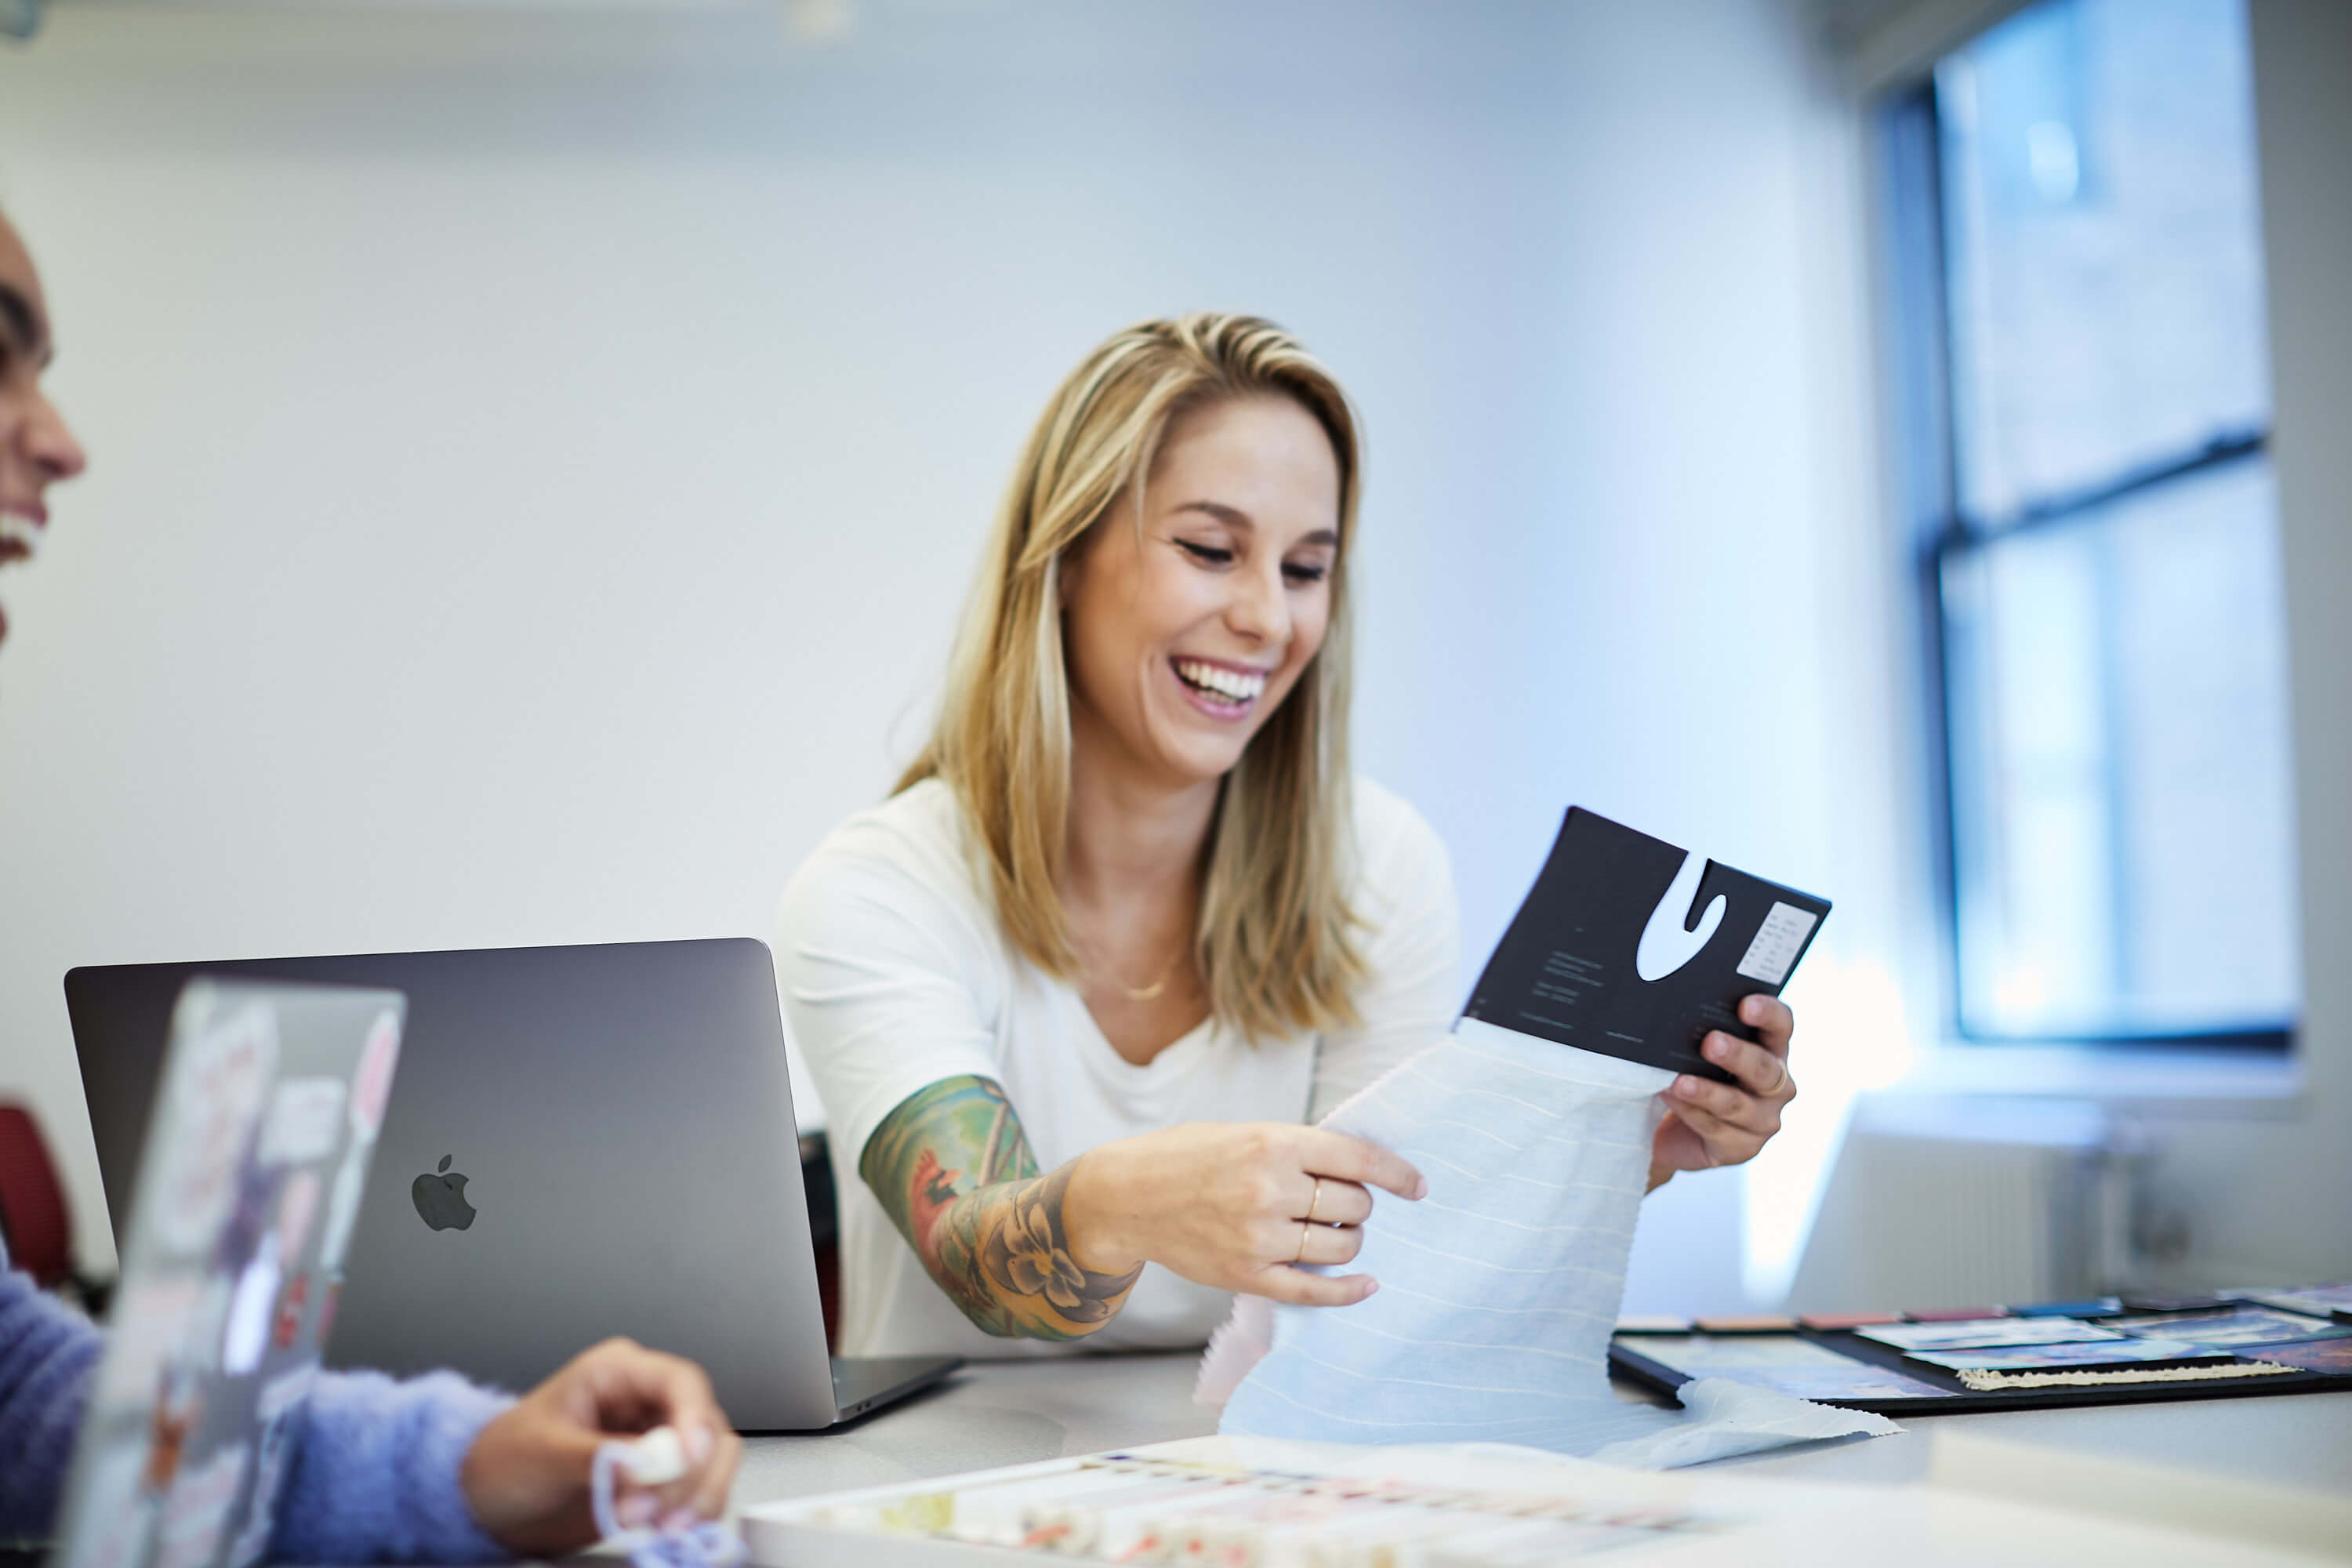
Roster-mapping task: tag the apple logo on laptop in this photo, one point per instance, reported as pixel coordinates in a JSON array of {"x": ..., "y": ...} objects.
[{"x": 441, "y": 1198}]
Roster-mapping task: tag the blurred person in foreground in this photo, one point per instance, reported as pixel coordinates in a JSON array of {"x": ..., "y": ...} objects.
[{"x": 429, "y": 1469}]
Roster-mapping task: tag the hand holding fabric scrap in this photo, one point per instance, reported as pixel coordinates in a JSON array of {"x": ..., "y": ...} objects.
[
  {"x": 651, "y": 1460},
  {"x": 1498, "y": 1290}
]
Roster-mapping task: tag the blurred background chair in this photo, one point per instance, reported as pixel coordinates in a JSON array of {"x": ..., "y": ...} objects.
[
  {"x": 34, "y": 1218},
  {"x": 824, "y": 1228}
]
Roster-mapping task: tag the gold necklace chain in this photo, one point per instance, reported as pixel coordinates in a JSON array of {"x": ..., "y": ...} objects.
[{"x": 1146, "y": 993}]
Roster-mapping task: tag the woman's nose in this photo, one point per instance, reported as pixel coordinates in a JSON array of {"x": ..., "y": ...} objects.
[
  {"x": 50, "y": 444},
  {"x": 1261, "y": 609}
]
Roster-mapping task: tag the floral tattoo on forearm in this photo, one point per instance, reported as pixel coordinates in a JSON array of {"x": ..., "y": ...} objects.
[{"x": 954, "y": 1171}]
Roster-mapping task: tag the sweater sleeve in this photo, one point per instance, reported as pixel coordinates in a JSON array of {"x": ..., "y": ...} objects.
[
  {"x": 47, "y": 1353},
  {"x": 373, "y": 1477}
]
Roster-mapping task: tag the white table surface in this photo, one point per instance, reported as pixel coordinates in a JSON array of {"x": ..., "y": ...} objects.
[{"x": 1007, "y": 1412}]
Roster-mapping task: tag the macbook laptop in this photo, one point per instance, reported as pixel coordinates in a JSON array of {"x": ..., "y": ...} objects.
[
  {"x": 264, "y": 1128},
  {"x": 583, "y": 1142}
]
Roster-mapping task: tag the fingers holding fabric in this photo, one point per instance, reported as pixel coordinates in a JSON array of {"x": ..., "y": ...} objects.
[
  {"x": 1303, "y": 1288},
  {"x": 1329, "y": 1244},
  {"x": 1359, "y": 1161},
  {"x": 1236, "y": 1205},
  {"x": 1289, "y": 1242},
  {"x": 1330, "y": 1201},
  {"x": 526, "y": 1478}
]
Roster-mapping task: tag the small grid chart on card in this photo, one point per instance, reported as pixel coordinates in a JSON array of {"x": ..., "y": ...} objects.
[{"x": 1242, "y": 1504}]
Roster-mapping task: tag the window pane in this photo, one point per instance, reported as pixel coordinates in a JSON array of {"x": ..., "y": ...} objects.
[
  {"x": 2122, "y": 830},
  {"x": 2104, "y": 253}
]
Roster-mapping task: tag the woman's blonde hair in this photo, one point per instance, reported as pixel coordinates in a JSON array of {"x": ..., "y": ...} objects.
[{"x": 1275, "y": 938}]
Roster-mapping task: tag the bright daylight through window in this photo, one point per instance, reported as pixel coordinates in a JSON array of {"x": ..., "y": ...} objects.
[{"x": 2079, "y": 258}]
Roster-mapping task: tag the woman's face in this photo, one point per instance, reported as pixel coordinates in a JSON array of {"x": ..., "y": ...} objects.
[
  {"x": 36, "y": 448},
  {"x": 1184, "y": 633}
]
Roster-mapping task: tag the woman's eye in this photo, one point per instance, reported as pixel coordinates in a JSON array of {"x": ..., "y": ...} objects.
[
  {"x": 1304, "y": 575},
  {"x": 1206, "y": 552}
]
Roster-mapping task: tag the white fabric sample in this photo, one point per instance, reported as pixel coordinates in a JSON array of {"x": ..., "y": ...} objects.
[
  {"x": 896, "y": 974},
  {"x": 1499, "y": 1290}
]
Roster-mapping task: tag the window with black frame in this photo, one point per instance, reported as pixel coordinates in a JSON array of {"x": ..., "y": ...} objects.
[{"x": 2079, "y": 299}]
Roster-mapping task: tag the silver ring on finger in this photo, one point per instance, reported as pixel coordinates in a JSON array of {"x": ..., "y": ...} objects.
[{"x": 1302, "y": 1241}]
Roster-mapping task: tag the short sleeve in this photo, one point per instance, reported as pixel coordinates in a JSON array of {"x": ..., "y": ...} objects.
[
  {"x": 1405, "y": 893},
  {"x": 891, "y": 970}
]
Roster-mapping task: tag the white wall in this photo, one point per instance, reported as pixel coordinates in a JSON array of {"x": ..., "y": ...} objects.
[{"x": 536, "y": 461}]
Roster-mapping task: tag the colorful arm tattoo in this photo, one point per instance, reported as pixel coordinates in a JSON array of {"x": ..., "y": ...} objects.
[{"x": 955, "y": 1173}]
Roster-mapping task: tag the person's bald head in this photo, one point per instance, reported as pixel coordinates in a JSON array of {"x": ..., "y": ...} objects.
[{"x": 37, "y": 450}]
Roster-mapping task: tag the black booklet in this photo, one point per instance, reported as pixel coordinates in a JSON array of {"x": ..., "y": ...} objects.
[{"x": 1608, "y": 953}]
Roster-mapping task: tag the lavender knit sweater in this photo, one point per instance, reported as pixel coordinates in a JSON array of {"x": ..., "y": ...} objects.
[{"x": 373, "y": 1477}]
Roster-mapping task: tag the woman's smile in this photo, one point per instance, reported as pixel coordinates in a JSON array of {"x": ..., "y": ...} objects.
[{"x": 1221, "y": 689}]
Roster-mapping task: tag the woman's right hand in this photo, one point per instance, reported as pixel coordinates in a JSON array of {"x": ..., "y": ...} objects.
[
  {"x": 526, "y": 1475},
  {"x": 1233, "y": 1205}
]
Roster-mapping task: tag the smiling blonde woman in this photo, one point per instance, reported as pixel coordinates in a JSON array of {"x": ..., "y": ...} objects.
[{"x": 1072, "y": 994}]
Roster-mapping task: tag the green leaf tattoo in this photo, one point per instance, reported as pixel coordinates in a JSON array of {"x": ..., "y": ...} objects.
[{"x": 955, "y": 1174}]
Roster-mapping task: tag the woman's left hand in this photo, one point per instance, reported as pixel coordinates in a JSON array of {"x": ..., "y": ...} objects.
[{"x": 1709, "y": 1124}]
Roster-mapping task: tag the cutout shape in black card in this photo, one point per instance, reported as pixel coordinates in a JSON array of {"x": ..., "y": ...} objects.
[{"x": 1609, "y": 953}]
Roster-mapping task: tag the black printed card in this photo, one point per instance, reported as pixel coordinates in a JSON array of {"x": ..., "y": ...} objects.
[{"x": 1611, "y": 954}]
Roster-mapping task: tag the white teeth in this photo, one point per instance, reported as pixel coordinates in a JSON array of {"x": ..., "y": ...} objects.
[
  {"x": 1226, "y": 683},
  {"x": 20, "y": 530}
]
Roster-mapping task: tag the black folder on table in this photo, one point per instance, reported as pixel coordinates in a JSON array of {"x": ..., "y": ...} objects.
[{"x": 1586, "y": 960}]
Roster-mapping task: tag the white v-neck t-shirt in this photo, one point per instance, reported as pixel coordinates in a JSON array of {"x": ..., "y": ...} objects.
[{"x": 896, "y": 974}]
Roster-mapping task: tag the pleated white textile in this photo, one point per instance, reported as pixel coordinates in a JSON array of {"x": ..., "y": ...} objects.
[{"x": 1500, "y": 1289}]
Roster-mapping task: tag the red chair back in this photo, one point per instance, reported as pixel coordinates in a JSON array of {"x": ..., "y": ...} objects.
[{"x": 33, "y": 1211}]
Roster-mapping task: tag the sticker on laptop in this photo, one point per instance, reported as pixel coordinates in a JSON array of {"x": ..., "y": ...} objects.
[
  {"x": 150, "y": 1319},
  {"x": 343, "y": 1208},
  {"x": 217, "y": 1096},
  {"x": 371, "y": 1085},
  {"x": 306, "y": 1117},
  {"x": 279, "y": 1410},
  {"x": 197, "y": 1510}
]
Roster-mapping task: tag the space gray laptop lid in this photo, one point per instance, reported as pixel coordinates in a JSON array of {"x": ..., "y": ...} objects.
[{"x": 582, "y": 1141}]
